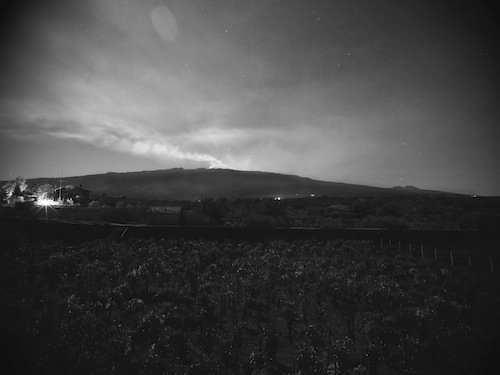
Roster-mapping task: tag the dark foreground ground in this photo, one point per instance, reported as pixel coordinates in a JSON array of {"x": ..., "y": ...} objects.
[{"x": 251, "y": 307}]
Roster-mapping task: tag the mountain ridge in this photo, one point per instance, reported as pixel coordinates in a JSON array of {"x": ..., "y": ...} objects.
[{"x": 193, "y": 184}]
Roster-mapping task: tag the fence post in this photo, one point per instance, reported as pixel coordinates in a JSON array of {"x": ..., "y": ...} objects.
[
  {"x": 390, "y": 244},
  {"x": 451, "y": 257},
  {"x": 435, "y": 254},
  {"x": 470, "y": 261},
  {"x": 491, "y": 264},
  {"x": 399, "y": 246}
]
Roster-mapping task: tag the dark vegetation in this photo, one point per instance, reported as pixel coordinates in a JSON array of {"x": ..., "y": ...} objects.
[
  {"x": 230, "y": 307},
  {"x": 416, "y": 212}
]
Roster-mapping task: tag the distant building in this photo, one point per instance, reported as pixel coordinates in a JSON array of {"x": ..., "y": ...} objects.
[
  {"x": 175, "y": 210},
  {"x": 166, "y": 215},
  {"x": 76, "y": 194},
  {"x": 334, "y": 208}
]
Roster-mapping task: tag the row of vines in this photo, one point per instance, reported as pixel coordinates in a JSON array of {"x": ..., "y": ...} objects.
[{"x": 235, "y": 307}]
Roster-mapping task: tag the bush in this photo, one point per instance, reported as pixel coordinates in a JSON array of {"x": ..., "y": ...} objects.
[
  {"x": 197, "y": 218},
  {"x": 486, "y": 222},
  {"x": 386, "y": 222},
  {"x": 260, "y": 221},
  {"x": 94, "y": 204}
]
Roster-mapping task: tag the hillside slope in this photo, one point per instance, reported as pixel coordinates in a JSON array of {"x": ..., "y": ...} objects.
[{"x": 192, "y": 184}]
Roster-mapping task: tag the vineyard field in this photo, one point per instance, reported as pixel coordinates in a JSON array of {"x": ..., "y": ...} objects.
[{"x": 200, "y": 306}]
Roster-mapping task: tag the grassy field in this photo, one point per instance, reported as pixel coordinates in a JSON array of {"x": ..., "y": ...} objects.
[{"x": 223, "y": 307}]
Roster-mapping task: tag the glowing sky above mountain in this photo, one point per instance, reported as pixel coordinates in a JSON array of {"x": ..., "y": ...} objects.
[{"x": 373, "y": 92}]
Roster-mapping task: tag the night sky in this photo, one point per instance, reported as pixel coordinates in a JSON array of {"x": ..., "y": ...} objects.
[{"x": 380, "y": 93}]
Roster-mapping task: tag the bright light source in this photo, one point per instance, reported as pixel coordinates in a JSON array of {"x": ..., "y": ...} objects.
[{"x": 46, "y": 202}]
